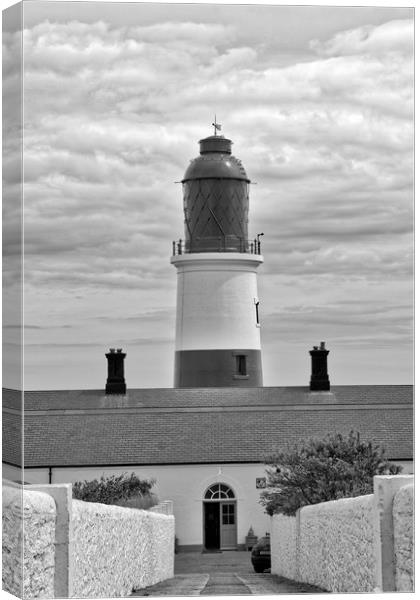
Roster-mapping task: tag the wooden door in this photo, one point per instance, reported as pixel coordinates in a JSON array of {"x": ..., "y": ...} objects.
[
  {"x": 211, "y": 525},
  {"x": 228, "y": 536}
]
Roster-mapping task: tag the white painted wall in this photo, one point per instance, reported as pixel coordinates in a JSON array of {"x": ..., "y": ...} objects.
[
  {"x": 28, "y": 567},
  {"x": 11, "y": 473},
  {"x": 108, "y": 549},
  {"x": 40, "y": 475},
  {"x": 337, "y": 545},
  {"x": 117, "y": 549},
  {"x": 216, "y": 296},
  {"x": 403, "y": 521},
  {"x": 332, "y": 544},
  {"x": 284, "y": 560},
  {"x": 185, "y": 485},
  {"x": 361, "y": 544}
]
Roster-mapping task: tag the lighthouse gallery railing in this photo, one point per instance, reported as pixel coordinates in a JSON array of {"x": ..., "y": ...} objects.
[{"x": 180, "y": 247}]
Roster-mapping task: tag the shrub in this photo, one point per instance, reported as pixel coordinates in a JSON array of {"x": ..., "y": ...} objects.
[
  {"x": 319, "y": 470},
  {"x": 142, "y": 502},
  {"x": 123, "y": 490}
]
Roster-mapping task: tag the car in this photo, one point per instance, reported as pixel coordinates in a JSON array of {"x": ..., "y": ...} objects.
[{"x": 261, "y": 554}]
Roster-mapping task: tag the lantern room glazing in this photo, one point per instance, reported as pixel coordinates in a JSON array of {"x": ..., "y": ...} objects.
[{"x": 216, "y": 200}]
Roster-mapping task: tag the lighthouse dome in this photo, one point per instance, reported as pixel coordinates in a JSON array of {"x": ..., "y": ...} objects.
[
  {"x": 215, "y": 161},
  {"x": 215, "y": 189}
]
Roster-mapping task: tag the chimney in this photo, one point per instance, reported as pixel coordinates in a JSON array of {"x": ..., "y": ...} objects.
[
  {"x": 115, "y": 384},
  {"x": 319, "y": 378}
]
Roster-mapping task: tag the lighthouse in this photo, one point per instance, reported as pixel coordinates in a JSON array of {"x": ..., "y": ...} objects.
[{"x": 218, "y": 309}]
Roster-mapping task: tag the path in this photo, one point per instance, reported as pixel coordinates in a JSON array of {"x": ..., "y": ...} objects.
[
  {"x": 222, "y": 574},
  {"x": 225, "y": 584}
]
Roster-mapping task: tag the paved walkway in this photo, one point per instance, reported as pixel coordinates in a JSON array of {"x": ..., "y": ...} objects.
[
  {"x": 225, "y": 584},
  {"x": 222, "y": 574}
]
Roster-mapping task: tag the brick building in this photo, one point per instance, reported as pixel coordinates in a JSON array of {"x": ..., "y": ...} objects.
[{"x": 204, "y": 446}]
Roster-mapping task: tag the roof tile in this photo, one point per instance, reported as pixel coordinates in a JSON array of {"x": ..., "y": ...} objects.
[{"x": 198, "y": 425}]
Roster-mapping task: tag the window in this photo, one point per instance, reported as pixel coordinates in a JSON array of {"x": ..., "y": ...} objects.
[
  {"x": 228, "y": 514},
  {"x": 257, "y": 311},
  {"x": 219, "y": 491},
  {"x": 241, "y": 364}
]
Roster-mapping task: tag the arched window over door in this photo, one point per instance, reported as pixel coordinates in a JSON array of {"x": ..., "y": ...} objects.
[
  {"x": 219, "y": 515},
  {"x": 219, "y": 491}
]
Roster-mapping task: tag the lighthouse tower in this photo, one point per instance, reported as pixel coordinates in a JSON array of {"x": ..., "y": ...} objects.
[{"x": 217, "y": 319}]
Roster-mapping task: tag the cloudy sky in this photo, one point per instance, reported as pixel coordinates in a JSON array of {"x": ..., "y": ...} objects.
[{"x": 318, "y": 103}]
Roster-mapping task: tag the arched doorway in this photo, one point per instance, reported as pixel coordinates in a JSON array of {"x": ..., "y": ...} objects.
[{"x": 219, "y": 518}]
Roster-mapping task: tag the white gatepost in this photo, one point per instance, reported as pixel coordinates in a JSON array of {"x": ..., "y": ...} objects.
[
  {"x": 385, "y": 488},
  {"x": 63, "y": 573}
]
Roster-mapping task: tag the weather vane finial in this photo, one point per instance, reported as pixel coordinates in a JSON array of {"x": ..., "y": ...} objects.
[{"x": 216, "y": 125}]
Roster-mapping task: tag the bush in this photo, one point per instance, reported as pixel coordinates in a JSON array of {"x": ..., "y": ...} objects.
[
  {"x": 123, "y": 490},
  {"x": 142, "y": 502},
  {"x": 319, "y": 470}
]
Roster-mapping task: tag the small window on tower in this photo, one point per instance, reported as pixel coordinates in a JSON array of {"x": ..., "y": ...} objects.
[
  {"x": 241, "y": 364},
  {"x": 257, "y": 311}
]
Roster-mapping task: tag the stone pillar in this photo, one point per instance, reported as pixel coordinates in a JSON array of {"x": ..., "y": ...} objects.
[
  {"x": 63, "y": 572},
  {"x": 385, "y": 488}
]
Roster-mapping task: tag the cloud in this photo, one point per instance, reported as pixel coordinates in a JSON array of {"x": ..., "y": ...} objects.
[
  {"x": 391, "y": 37},
  {"x": 112, "y": 117},
  {"x": 89, "y": 161}
]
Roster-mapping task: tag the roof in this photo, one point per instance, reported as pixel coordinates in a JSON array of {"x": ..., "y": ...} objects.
[
  {"x": 204, "y": 425},
  {"x": 215, "y": 161},
  {"x": 201, "y": 397}
]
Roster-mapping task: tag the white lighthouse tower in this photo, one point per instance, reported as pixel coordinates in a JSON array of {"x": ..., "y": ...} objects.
[{"x": 217, "y": 319}]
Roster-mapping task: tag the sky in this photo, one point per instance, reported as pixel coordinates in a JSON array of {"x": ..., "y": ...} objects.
[{"x": 319, "y": 104}]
